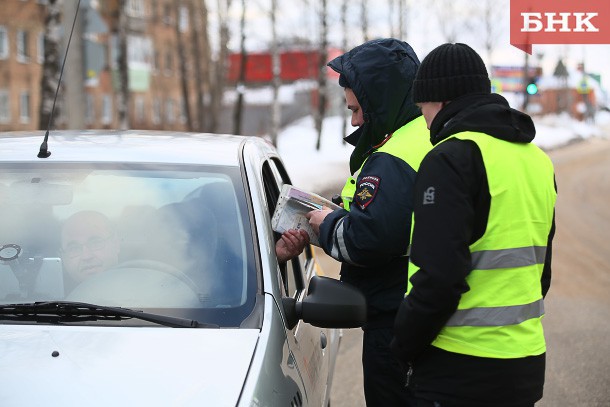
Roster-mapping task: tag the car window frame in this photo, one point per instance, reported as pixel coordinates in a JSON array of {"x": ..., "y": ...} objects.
[{"x": 291, "y": 274}]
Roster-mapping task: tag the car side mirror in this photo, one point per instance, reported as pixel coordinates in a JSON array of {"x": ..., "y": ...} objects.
[{"x": 329, "y": 303}]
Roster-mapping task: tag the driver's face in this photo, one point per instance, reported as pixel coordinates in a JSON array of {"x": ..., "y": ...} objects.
[{"x": 88, "y": 246}]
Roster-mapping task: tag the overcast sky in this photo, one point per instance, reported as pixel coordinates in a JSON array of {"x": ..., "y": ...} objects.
[{"x": 427, "y": 26}]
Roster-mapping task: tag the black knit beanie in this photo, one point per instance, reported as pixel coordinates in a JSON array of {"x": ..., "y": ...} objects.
[{"x": 450, "y": 71}]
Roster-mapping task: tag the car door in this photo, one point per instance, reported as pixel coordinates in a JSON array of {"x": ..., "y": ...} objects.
[{"x": 309, "y": 344}]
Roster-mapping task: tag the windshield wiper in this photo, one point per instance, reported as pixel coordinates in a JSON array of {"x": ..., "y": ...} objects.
[{"x": 68, "y": 311}]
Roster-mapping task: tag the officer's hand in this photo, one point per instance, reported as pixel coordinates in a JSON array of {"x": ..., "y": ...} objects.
[
  {"x": 291, "y": 244},
  {"x": 317, "y": 217}
]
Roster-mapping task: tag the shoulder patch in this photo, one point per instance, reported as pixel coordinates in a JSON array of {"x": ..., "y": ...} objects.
[{"x": 366, "y": 191}]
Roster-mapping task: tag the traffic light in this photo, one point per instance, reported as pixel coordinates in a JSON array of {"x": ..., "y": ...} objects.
[{"x": 532, "y": 87}]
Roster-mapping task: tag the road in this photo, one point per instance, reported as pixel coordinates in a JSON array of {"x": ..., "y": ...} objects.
[{"x": 577, "y": 317}]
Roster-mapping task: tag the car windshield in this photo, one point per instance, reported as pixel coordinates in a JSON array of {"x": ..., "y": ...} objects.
[{"x": 174, "y": 240}]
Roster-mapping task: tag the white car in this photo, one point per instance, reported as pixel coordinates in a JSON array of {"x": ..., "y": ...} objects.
[{"x": 138, "y": 268}]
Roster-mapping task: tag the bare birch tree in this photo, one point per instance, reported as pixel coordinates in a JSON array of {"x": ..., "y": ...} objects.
[
  {"x": 322, "y": 82},
  {"x": 451, "y": 23},
  {"x": 50, "y": 68},
  {"x": 276, "y": 70},
  {"x": 74, "y": 99},
  {"x": 180, "y": 29},
  {"x": 392, "y": 18},
  {"x": 403, "y": 8},
  {"x": 493, "y": 12},
  {"x": 200, "y": 54},
  {"x": 344, "y": 45},
  {"x": 123, "y": 67},
  {"x": 217, "y": 80},
  {"x": 240, "y": 87},
  {"x": 364, "y": 20}
]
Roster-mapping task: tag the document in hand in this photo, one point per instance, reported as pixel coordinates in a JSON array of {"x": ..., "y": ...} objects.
[{"x": 292, "y": 205}]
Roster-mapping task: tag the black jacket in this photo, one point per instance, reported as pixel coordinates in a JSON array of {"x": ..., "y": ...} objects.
[
  {"x": 457, "y": 219},
  {"x": 371, "y": 241}
]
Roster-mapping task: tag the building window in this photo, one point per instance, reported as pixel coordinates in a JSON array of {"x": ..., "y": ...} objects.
[
  {"x": 89, "y": 109},
  {"x": 5, "y": 107},
  {"x": 139, "y": 109},
  {"x": 106, "y": 109},
  {"x": 24, "y": 107},
  {"x": 183, "y": 22},
  {"x": 170, "y": 114},
  {"x": 40, "y": 55},
  {"x": 23, "y": 53},
  {"x": 135, "y": 8},
  {"x": 3, "y": 43},
  {"x": 140, "y": 52},
  {"x": 156, "y": 111}
]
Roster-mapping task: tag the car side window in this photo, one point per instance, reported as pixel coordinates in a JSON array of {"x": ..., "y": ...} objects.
[{"x": 291, "y": 272}]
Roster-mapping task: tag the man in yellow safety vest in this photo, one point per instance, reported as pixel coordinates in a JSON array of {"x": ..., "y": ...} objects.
[{"x": 470, "y": 326}]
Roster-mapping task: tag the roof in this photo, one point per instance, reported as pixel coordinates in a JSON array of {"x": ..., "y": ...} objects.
[{"x": 127, "y": 146}]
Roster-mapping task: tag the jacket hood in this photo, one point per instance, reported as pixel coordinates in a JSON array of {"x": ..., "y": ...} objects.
[
  {"x": 381, "y": 74},
  {"x": 485, "y": 113}
]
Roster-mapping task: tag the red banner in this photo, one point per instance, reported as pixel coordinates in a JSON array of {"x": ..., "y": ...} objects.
[{"x": 559, "y": 22}]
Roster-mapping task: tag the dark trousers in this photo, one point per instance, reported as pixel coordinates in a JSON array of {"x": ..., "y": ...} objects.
[{"x": 384, "y": 376}]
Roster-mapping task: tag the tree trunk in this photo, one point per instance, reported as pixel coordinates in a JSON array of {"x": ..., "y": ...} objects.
[
  {"x": 402, "y": 35},
  {"x": 240, "y": 87},
  {"x": 200, "y": 53},
  {"x": 123, "y": 69},
  {"x": 321, "y": 111},
  {"x": 74, "y": 68},
  {"x": 276, "y": 70},
  {"x": 217, "y": 82},
  {"x": 344, "y": 46},
  {"x": 182, "y": 63},
  {"x": 364, "y": 16},
  {"x": 50, "y": 68}
]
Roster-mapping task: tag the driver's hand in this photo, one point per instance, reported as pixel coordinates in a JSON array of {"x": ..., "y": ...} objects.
[{"x": 291, "y": 244}]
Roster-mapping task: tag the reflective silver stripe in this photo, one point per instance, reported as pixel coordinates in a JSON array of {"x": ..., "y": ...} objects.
[
  {"x": 339, "y": 250},
  {"x": 508, "y": 258},
  {"x": 334, "y": 251},
  {"x": 497, "y": 316}
]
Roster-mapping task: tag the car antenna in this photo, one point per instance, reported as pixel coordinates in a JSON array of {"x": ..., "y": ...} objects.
[{"x": 44, "y": 150}]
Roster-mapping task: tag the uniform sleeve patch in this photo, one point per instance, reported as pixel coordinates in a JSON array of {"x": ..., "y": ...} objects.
[{"x": 366, "y": 191}]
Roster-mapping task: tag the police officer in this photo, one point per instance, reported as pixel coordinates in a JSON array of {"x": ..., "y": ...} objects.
[
  {"x": 470, "y": 327},
  {"x": 370, "y": 235}
]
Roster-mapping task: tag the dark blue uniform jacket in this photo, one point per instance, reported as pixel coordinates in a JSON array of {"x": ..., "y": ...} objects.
[{"x": 372, "y": 239}]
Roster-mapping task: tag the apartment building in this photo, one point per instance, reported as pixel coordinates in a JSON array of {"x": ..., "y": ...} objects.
[
  {"x": 157, "y": 32},
  {"x": 21, "y": 57}
]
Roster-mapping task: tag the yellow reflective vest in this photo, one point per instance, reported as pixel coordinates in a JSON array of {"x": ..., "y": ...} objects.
[
  {"x": 500, "y": 316},
  {"x": 406, "y": 143}
]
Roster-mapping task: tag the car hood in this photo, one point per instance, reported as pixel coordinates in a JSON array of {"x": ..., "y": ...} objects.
[{"x": 103, "y": 366}]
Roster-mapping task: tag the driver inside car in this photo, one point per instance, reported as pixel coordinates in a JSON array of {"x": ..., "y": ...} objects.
[{"x": 89, "y": 245}]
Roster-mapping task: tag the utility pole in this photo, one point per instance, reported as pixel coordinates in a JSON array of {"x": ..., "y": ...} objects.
[{"x": 526, "y": 78}]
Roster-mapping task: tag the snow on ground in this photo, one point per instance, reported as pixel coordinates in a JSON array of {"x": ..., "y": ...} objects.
[
  {"x": 556, "y": 130},
  {"x": 314, "y": 170}
]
